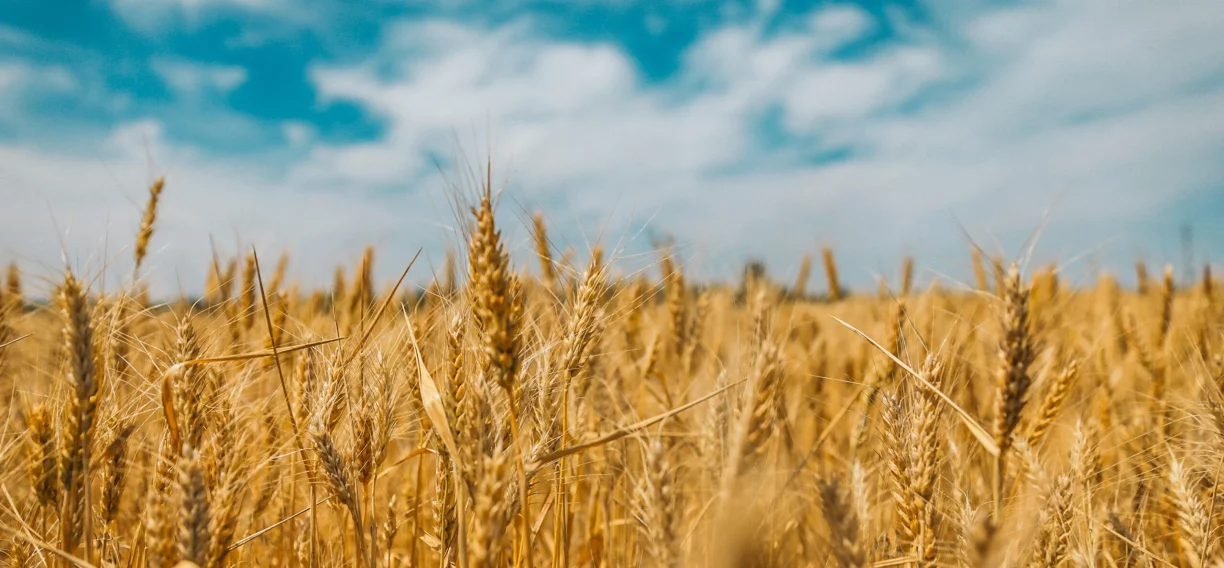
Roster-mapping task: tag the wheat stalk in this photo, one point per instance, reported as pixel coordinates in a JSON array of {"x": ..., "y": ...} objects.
[
  {"x": 146, "y": 223},
  {"x": 80, "y": 413},
  {"x": 1016, "y": 353}
]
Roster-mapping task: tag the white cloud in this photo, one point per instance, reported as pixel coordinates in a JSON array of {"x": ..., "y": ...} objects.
[
  {"x": 1106, "y": 114},
  {"x": 840, "y": 23},
  {"x": 568, "y": 112},
  {"x": 21, "y": 82},
  {"x": 193, "y": 79},
  {"x": 1076, "y": 107},
  {"x": 153, "y": 16},
  {"x": 298, "y": 134},
  {"x": 21, "y": 76},
  {"x": 850, "y": 91},
  {"x": 12, "y": 37}
]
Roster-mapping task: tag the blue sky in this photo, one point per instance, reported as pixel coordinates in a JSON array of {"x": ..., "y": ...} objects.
[{"x": 743, "y": 129}]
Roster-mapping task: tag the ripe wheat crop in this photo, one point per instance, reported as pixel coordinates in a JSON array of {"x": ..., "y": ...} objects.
[{"x": 539, "y": 413}]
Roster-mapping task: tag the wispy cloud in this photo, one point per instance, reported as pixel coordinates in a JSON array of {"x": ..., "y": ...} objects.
[
  {"x": 156, "y": 16},
  {"x": 195, "y": 79}
]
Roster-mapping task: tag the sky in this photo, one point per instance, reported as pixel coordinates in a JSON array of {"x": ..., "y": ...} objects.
[{"x": 737, "y": 130}]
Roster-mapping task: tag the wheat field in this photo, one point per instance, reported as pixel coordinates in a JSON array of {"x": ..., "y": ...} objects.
[{"x": 537, "y": 413}]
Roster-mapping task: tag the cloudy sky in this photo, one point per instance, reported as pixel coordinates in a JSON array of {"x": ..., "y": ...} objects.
[{"x": 744, "y": 130}]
